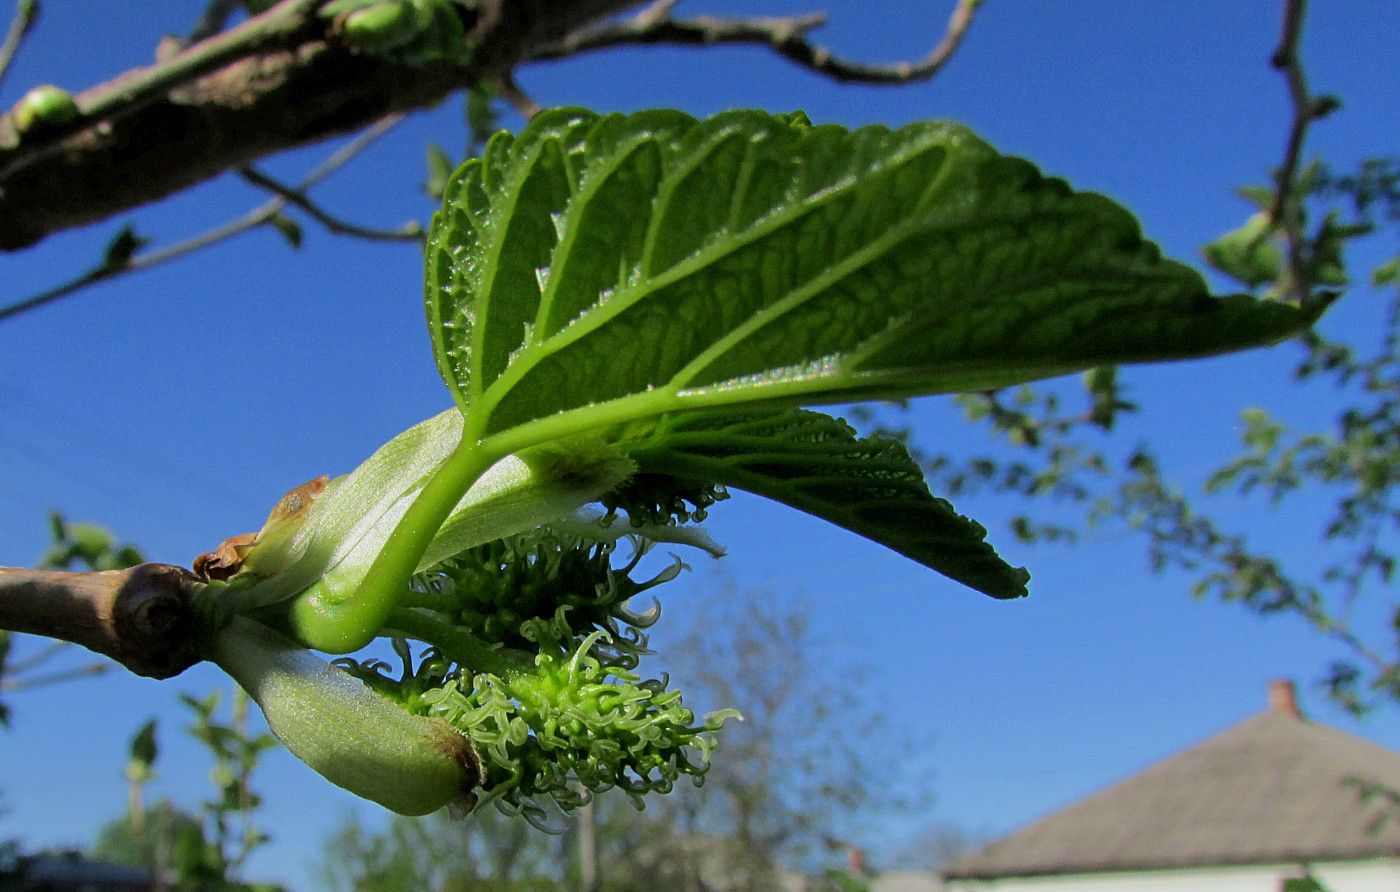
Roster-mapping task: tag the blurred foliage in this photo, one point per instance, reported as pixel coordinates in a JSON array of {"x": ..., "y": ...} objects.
[
  {"x": 486, "y": 851},
  {"x": 231, "y": 833},
  {"x": 190, "y": 852},
  {"x": 86, "y": 546},
  {"x": 164, "y": 828}
]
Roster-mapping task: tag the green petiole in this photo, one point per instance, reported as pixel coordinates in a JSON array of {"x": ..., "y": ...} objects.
[
  {"x": 340, "y": 621},
  {"x": 458, "y": 645}
]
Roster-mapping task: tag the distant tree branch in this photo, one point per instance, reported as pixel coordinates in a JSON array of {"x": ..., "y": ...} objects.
[
  {"x": 26, "y": 12},
  {"x": 139, "y": 617},
  {"x": 35, "y": 660},
  {"x": 258, "y": 216},
  {"x": 216, "y": 16},
  {"x": 786, "y": 36},
  {"x": 296, "y": 195},
  {"x": 1285, "y": 209},
  {"x": 16, "y": 685},
  {"x": 510, "y": 91}
]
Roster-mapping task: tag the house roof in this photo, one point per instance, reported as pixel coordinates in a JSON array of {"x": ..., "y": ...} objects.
[{"x": 1274, "y": 788}]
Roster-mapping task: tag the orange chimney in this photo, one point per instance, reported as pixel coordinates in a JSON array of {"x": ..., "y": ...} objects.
[
  {"x": 1283, "y": 697},
  {"x": 855, "y": 861}
]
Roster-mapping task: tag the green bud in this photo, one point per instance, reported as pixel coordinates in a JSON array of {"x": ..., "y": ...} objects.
[
  {"x": 350, "y": 735},
  {"x": 323, "y": 562},
  {"x": 42, "y": 108},
  {"x": 379, "y": 27},
  {"x": 1248, "y": 253}
]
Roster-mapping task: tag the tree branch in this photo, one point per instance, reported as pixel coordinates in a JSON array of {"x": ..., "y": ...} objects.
[
  {"x": 1286, "y": 208},
  {"x": 786, "y": 36},
  {"x": 286, "y": 24},
  {"x": 26, "y": 12},
  {"x": 296, "y": 195},
  {"x": 259, "y": 216},
  {"x": 275, "y": 82},
  {"x": 139, "y": 617}
]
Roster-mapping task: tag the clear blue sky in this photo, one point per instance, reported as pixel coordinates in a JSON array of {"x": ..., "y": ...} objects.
[{"x": 176, "y": 405}]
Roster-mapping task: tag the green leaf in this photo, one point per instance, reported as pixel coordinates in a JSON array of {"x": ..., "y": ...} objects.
[
  {"x": 1387, "y": 273},
  {"x": 141, "y": 760},
  {"x": 480, "y": 112},
  {"x": 815, "y": 463},
  {"x": 601, "y": 270},
  {"x": 122, "y": 247},
  {"x": 439, "y": 171},
  {"x": 289, "y": 228},
  {"x": 1262, "y": 197}
]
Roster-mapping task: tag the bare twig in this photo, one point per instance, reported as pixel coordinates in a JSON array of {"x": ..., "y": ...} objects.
[
  {"x": 15, "y": 685},
  {"x": 33, "y": 661},
  {"x": 510, "y": 91},
  {"x": 786, "y": 36},
  {"x": 216, "y": 15},
  {"x": 296, "y": 195},
  {"x": 1286, "y": 208},
  {"x": 139, "y": 617},
  {"x": 26, "y": 11},
  {"x": 259, "y": 216}
]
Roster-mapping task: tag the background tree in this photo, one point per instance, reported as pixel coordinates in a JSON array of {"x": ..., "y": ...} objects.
[
  {"x": 799, "y": 783},
  {"x": 437, "y": 854},
  {"x": 182, "y": 850}
]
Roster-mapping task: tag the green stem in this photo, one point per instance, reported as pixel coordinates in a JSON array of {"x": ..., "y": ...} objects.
[
  {"x": 340, "y": 622},
  {"x": 460, "y": 646}
]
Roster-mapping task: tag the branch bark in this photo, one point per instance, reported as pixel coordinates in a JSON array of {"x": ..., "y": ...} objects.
[
  {"x": 784, "y": 35},
  {"x": 139, "y": 617},
  {"x": 269, "y": 85}
]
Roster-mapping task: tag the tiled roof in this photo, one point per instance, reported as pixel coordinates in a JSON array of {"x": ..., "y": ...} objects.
[{"x": 1275, "y": 788}]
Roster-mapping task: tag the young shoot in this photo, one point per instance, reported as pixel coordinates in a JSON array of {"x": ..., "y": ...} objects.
[{"x": 629, "y": 313}]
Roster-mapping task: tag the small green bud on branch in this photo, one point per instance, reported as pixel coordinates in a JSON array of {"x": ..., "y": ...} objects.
[{"x": 43, "y": 108}]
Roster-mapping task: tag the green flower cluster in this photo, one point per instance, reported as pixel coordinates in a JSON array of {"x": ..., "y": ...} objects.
[
  {"x": 494, "y": 590},
  {"x": 560, "y": 715},
  {"x": 573, "y": 727},
  {"x": 659, "y": 499}
]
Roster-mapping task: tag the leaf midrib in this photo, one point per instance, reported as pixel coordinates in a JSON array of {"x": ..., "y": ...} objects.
[
  {"x": 624, "y": 299},
  {"x": 579, "y": 203}
]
